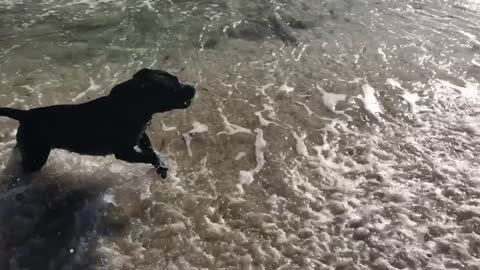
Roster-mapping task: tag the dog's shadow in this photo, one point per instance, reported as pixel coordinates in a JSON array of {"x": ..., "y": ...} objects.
[{"x": 47, "y": 222}]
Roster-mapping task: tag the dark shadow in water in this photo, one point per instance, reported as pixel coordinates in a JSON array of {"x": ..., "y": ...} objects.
[{"x": 51, "y": 222}]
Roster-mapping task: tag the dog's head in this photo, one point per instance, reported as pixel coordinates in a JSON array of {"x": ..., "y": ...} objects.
[{"x": 155, "y": 90}]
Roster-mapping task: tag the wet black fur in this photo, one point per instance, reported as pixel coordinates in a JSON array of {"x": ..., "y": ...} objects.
[{"x": 113, "y": 124}]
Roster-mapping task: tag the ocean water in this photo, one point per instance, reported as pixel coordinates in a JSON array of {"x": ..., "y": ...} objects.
[{"x": 326, "y": 134}]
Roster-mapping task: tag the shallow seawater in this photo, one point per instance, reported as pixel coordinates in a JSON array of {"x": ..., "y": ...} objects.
[{"x": 329, "y": 134}]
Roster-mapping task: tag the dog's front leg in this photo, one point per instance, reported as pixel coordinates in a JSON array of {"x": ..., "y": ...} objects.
[
  {"x": 130, "y": 155},
  {"x": 145, "y": 145}
]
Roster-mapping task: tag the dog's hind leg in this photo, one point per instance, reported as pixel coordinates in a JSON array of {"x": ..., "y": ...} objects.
[
  {"x": 29, "y": 159},
  {"x": 33, "y": 148},
  {"x": 34, "y": 156}
]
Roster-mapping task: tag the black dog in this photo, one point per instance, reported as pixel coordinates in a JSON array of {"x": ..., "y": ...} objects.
[{"x": 114, "y": 124}]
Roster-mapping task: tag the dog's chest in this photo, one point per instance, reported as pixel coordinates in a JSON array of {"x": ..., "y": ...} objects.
[
  {"x": 142, "y": 129},
  {"x": 136, "y": 129}
]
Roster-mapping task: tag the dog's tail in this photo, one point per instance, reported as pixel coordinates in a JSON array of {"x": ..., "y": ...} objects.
[{"x": 16, "y": 114}]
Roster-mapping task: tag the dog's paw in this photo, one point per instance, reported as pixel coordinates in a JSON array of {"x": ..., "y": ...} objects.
[{"x": 162, "y": 171}]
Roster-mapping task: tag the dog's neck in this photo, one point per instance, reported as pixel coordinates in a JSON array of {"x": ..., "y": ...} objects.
[{"x": 145, "y": 117}]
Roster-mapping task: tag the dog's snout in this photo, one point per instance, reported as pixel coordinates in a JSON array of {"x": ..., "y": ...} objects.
[{"x": 189, "y": 91}]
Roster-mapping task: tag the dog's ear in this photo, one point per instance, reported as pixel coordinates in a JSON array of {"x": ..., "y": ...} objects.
[
  {"x": 128, "y": 88},
  {"x": 142, "y": 74},
  {"x": 123, "y": 90}
]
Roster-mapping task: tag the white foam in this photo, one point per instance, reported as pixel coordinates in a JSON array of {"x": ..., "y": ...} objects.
[
  {"x": 470, "y": 90},
  {"x": 286, "y": 88},
  {"x": 231, "y": 128},
  {"x": 302, "y": 50},
  {"x": 197, "y": 128},
  {"x": 370, "y": 101},
  {"x": 263, "y": 88},
  {"x": 16, "y": 100},
  {"x": 240, "y": 155},
  {"x": 309, "y": 111},
  {"x": 217, "y": 229},
  {"x": 472, "y": 125},
  {"x": 92, "y": 4},
  {"x": 410, "y": 98},
  {"x": 472, "y": 37},
  {"x": 147, "y": 4},
  {"x": 476, "y": 62},
  {"x": 330, "y": 99},
  {"x": 201, "y": 37},
  {"x": 167, "y": 128},
  {"x": 263, "y": 121},
  {"x": 109, "y": 198},
  {"x": 300, "y": 145},
  {"x": 382, "y": 53},
  {"x": 11, "y": 48},
  {"x": 394, "y": 83},
  {"x": 247, "y": 177}
]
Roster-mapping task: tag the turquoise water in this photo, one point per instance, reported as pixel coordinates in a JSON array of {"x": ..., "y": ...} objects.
[{"x": 325, "y": 135}]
